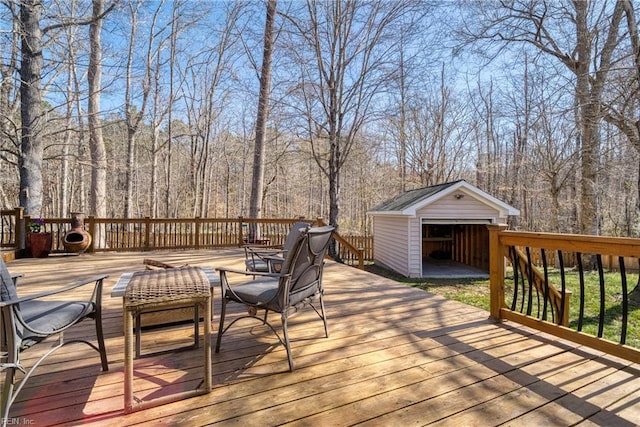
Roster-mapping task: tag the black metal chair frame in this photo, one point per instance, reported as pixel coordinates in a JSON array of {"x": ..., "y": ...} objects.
[
  {"x": 15, "y": 327},
  {"x": 297, "y": 285}
]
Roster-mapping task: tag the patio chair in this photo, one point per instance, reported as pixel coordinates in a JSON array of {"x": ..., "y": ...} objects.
[
  {"x": 297, "y": 285},
  {"x": 31, "y": 319},
  {"x": 269, "y": 258}
]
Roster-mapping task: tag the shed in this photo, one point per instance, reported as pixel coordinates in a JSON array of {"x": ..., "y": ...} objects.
[{"x": 437, "y": 230}]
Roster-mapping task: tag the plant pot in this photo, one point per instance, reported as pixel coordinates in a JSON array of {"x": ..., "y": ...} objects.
[{"x": 39, "y": 244}]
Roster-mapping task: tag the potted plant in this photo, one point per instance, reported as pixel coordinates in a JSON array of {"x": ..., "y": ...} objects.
[{"x": 38, "y": 241}]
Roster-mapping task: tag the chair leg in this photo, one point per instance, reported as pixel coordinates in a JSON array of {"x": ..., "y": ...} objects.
[
  {"x": 287, "y": 345},
  {"x": 7, "y": 392},
  {"x": 223, "y": 310},
  {"x": 323, "y": 314},
  {"x": 100, "y": 336}
]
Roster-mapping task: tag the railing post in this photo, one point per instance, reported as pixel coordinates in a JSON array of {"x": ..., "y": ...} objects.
[
  {"x": 20, "y": 229},
  {"x": 147, "y": 233},
  {"x": 240, "y": 237},
  {"x": 496, "y": 269},
  {"x": 91, "y": 220}
]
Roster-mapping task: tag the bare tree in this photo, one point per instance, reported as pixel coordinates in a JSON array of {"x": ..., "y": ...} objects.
[
  {"x": 134, "y": 113},
  {"x": 349, "y": 66},
  {"x": 73, "y": 91},
  {"x": 588, "y": 54},
  {"x": 434, "y": 135},
  {"x": 486, "y": 137},
  {"x": 622, "y": 107},
  {"x": 257, "y": 182},
  {"x": 158, "y": 113},
  {"x": 206, "y": 98},
  {"x": 98, "y": 197},
  {"x": 30, "y": 162},
  {"x": 173, "y": 89},
  {"x": 9, "y": 102},
  {"x": 31, "y": 112}
]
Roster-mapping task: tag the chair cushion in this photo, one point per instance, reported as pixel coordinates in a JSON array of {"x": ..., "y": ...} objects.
[
  {"x": 260, "y": 292},
  {"x": 50, "y": 316}
]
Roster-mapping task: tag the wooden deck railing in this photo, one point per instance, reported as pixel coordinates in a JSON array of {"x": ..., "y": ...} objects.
[
  {"x": 11, "y": 227},
  {"x": 148, "y": 234},
  {"x": 603, "y": 328}
]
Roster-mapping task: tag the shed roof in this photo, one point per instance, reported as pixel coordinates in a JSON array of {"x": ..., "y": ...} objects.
[{"x": 407, "y": 203}]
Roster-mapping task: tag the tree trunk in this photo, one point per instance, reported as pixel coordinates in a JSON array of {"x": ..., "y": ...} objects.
[
  {"x": 98, "y": 193},
  {"x": 169, "y": 145},
  {"x": 131, "y": 149},
  {"x": 135, "y": 115},
  {"x": 588, "y": 123},
  {"x": 257, "y": 183},
  {"x": 30, "y": 162},
  {"x": 8, "y": 98}
]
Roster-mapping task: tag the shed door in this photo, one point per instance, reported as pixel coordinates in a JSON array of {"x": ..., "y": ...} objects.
[{"x": 460, "y": 240}]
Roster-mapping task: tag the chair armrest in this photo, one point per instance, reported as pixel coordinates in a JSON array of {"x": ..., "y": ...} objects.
[
  {"x": 224, "y": 270},
  {"x": 95, "y": 299},
  {"x": 266, "y": 250},
  {"x": 94, "y": 279},
  {"x": 15, "y": 277},
  {"x": 276, "y": 257},
  {"x": 261, "y": 250},
  {"x": 262, "y": 246}
]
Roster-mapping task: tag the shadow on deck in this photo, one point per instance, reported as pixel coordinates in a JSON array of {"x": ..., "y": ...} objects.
[{"x": 396, "y": 355}]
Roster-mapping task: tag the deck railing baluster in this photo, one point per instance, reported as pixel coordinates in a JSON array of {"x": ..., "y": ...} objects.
[
  {"x": 625, "y": 300},
  {"x": 516, "y": 279},
  {"x": 602, "y": 296},
  {"x": 530, "y": 278},
  {"x": 563, "y": 286},
  {"x": 582, "y": 296},
  {"x": 545, "y": 267}
]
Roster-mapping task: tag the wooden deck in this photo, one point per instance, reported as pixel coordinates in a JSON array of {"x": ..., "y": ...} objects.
[{"x": 395, "y": 356}]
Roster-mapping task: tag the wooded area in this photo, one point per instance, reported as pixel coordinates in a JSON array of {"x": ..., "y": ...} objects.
[{"x": 148, "y": 108}]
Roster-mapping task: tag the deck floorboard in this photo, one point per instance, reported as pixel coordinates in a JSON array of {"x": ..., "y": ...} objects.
[{"x": 395, "y": 356}]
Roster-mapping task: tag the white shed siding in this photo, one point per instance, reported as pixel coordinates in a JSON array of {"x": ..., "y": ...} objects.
[
  {"x": 390, "y": 247},
  {"x": 467, "y": 207},
  {"x": 415, "y": 247}
]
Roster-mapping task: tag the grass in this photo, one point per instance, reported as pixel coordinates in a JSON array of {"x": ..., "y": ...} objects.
[
  {"x": 613, "y": 309},
  {"x": 475, "y": 292}
]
